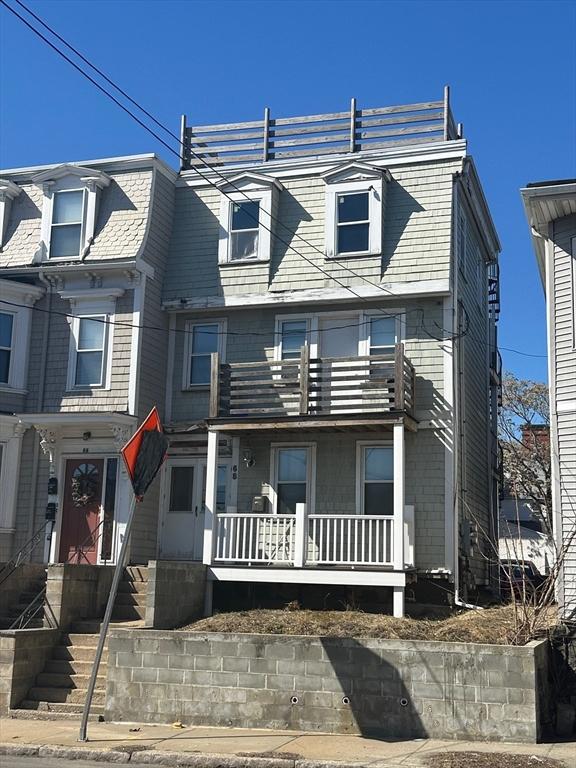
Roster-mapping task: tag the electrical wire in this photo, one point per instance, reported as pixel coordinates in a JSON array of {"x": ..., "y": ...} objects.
[{"x": 211, "y": 168}]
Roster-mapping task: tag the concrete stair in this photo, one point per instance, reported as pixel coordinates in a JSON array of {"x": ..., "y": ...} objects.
[
  {"x": 59, "y": 691},
  {"x": 9, "y": 616}
]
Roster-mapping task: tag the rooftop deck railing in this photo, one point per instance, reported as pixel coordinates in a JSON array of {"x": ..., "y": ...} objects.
[
  {"x": 285, "y": 138},
  {"x": 313, "y": 387}
]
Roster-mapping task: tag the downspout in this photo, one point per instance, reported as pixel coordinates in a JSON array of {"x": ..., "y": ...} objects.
[
  {"x": 456, "y": 412},
  {"x": 39, "y": 407}
]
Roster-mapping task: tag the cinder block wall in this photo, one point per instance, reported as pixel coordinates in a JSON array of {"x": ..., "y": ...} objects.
[
  {"x": 386, "y": 688},
  {"x": 76, "y": 592},
  {"x": 175, "y": 593},
  {"x": 23, "y": 654}
]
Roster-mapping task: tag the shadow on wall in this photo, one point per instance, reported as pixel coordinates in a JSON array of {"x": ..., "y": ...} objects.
[
  {"x": 375, "y": 700},
  {"x": 400, "y": 206},
  {"x": 291, "y": 213},
  {"x": 114, "y": 199}
]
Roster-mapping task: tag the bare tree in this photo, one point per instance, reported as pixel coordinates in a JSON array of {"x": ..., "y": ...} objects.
[{"x": 524, "y": 425}]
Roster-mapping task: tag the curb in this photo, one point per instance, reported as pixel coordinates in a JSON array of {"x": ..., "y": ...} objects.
[{"x": 157, "y": 757}]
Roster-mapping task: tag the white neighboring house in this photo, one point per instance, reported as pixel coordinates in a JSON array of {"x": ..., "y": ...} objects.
[
  {"x": 551, "y": 211},
  {"x": 521, "y": 537}
]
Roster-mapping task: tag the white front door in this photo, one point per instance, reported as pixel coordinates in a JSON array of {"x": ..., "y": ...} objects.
[{"x": 183, "y": 502}]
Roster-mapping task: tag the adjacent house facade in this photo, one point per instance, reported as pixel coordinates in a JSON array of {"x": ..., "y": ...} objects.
[
  {"x": 551, "y": 211},
  {"x": 311, "y": 303}
]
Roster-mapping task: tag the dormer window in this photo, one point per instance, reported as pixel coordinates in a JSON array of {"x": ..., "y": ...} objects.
[
  {"x": 246, "y": 218},
  {"x": 66, "y": 231},
  {"x": 355, "y": 205},
  {"x": 244, "y": 230},
  {"x": 69, "y": 209}
]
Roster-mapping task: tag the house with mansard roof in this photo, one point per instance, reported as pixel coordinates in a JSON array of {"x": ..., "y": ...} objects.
[{"x": 314, "y": 316}]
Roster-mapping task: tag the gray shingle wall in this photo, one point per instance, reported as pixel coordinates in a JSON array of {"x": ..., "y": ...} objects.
[{"x": 416, "y": 233}]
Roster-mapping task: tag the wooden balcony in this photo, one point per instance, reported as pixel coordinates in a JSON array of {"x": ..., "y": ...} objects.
[{"x": 312, "y": 388}]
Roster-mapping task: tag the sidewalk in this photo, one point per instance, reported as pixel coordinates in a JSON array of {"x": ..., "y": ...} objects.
[{"x": 207, "y": 747}]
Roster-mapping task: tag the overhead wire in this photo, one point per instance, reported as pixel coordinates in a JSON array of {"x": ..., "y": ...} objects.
[{"x": 209, "y": 181}]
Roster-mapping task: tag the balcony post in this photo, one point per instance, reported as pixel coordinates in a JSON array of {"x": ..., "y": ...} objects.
[
  {"x": 304, "y": 379},
  {"x": 214, "y": 411},
  {"x": 210, "y": 519},
  {"x": 300, "y": 535},
  {"x": 399, "y": 494},
  {"x": 399, "y": 377}
]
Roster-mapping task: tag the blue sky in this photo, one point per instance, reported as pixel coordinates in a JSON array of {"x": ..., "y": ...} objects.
[{"x": 511, "y": 67}]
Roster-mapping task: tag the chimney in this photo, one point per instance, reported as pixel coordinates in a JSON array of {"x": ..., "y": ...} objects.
[{"x": 535, "y": 436}]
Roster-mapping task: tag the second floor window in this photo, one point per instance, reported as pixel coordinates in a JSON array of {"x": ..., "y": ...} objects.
[
  {"x": 293, "y": 334},
  {"x": 66, "y": 229},
  {"x": 382, "y": 335},
  {"x": 353, "y": 223},
  {"x": 90, "y": 348},
  {"x": 377, "y": 480},
  {"x": 244, "y": 228},
  {"x": 6, "y": 328},
  {"x": 203, "y": 340}
]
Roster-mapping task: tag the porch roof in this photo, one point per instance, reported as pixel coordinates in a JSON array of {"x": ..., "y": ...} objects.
[{"x": 373, "y": 422}]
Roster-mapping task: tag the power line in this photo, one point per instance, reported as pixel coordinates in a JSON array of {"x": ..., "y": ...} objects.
[
  {"x": 247, "y": 334},
  {"x": 203, "y": 176}
]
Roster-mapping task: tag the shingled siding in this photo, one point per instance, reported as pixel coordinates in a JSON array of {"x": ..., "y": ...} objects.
[
  {"x": 120, "y": 225},
  {"x": 385, "y": 688},
  {"x": 423, "y": 324},
  {"x": 416, "y": 234},
  {"x": 153, "y": 357},
  {"x": 565, "y": 390},
  {"x": 56, "y": 398},
  {"x": 474, "y": 394}
]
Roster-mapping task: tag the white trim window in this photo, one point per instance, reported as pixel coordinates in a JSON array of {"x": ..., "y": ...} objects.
[
  {"x": 202, "y": 339},
  {"x": 354, "y": 210},
  {"x": 6, "y": 343},
  {"x": 292, "y": 481},
  {"x": 383, "y": 334},
  {"x": 67, "y": 223},
  {"x": 90, "y": 333},
  {"x": 375, "y": 479},
  {"x": 292, "y": 335},
  {"x": 246, "y": 218}
]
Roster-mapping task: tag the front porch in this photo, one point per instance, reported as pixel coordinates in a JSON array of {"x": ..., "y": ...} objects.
[{"x": 299, "y": 530}]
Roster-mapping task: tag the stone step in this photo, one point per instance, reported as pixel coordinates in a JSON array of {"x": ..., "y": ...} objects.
[
  {"x": 129, "y": 612},
  {"x": 76, "y": 653},
  {"x": 93, "y": 626},
  {"x": 73, "y": 667},
  {"x": 136, "y": 573},
  {"x": 131, "y": 598},
  {"x": 6, "y": 623},
  {"x": 83, "y": 639},
  {"x": 64, "y": 695},
  {"x": 65, "y": 680},
  {"x": 36, "y": 714},
  {"x": 132, "y": 587},
  {"x": 60, "y": 707}
]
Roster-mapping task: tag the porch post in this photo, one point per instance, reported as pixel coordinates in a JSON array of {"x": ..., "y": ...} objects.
[
  {"x": 399, "y": 465},
  {"x": 211, "y": 489},
  {"x": 300, "y": 535}
]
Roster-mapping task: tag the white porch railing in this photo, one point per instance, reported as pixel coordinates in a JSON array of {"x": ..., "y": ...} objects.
[
  {"x": 255, "y": 538},
  {"x": 300, "y": 540},
  {"x": 350, "y": 540}
]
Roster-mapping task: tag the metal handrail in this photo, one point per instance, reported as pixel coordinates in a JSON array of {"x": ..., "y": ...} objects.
[
  {"x": 33, "y": 608},
  {"x": 22, "y": 553}
]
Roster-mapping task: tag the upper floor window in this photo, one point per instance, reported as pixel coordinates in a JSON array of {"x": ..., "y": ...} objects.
[
  {"x": 6, "y": 326},
  {"x": 293, "y": 336},
  {"x": 90, "y": 350},
  {"x": 66, "y": 230},
  {"x": 353, "y": 223},
  {"x": 202, "y": 339},
  {"x": 383, "y": 335},
  {"x": 69, "y": 208},
  {"x": 246, "y": 220},
  {"x": 244, "y": 228}
]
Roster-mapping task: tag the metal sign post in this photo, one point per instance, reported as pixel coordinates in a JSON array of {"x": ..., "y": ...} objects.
[{"x": 106, "y": 622}]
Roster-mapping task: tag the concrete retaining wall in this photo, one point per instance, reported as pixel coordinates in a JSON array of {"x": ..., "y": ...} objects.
[
  {"x": 386, "y": 688},
  {"x": 76, "y": 592},
  {"x": 175, "y": 593},
  {"x": 23, "y": 654}
]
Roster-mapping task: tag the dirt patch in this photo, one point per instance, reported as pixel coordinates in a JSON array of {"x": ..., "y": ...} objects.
[
  {"x": 490, "y": 760},
  {"x": 493, "y": 625}
]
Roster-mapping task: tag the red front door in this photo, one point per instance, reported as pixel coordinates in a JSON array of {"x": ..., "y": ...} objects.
[{"x": 81, "y": 511}]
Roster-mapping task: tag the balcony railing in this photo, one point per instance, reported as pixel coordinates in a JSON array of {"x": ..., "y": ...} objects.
[
  {"x": 313, "y": 387},
  {"x": 299, "y": 540},
  {"x": 335, "y": 133}
]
